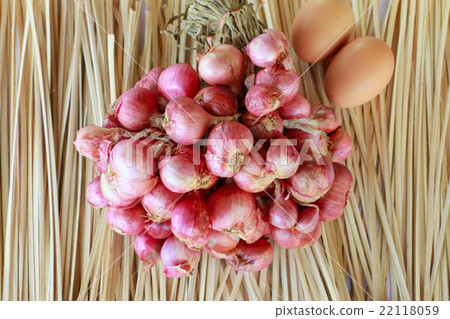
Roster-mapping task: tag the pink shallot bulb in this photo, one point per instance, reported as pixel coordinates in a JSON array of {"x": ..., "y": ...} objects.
[
  {"x": 332, "y": 205},
  {"x": 312, "y": 180},
  {"x": 325, "y": 118},
  {"x": 221, "y": 244},
  {"x": 160, "y": 202},
  {"x": 309, "y": 140},
  {"x": 223, "y": 65},
  {"x": 252, "y": 257},
  {"x": 228, "y": 145},
  {"x": 178, "y": 80},
  {"x": 178, "y": 259},
  {"x": 230, "y": 209},
  {"x": 127, "y": 221},
  {"x": 186, "y": 171},
  {"x": 134, "y": 162},
  {"x": 217, "y": 100},
  {"x": 293, "y": 239},
  {"x": 282, "y": 158},
  {"x": 253, "y": 176},
  {"x": 340, "y": 146},
  {"x": 308, "y": 219},
  {"x": 148, "y": 249},
  {"x": 287, "y": 81},
  {"x": 261, "y": 228},
  {"x": 283, "y": 211},
  {"x": 268, "y": 127},
  {"x": 109, "y": 182},
  {"x": 134, "y": 108},
  {"x": 270, "y": 50},
  {"x": 95, "y": 142},
  {"x": 94, "y": 194},
  {"x": 150, "y": 80},
  {"x": 185, "y": 121},
  {"x": 297, "y": 108},
  {"x": 263, "y": 99},
  {"x": 190, "y": 219},
  {"x": 159, "y": 230}
]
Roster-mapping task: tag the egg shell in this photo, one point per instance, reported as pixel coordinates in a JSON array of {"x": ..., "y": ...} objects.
[
  {"x": 320, "y": 28},
  {"x": 359, "y": 72}
]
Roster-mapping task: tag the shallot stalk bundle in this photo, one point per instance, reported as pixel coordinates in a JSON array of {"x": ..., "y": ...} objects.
[{"x": 220, "y": 167}]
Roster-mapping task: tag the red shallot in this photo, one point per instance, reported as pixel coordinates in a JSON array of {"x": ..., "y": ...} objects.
[
  {"x": 178, "y": 80},
  {"x": 190, "y": 219},
  {"x": 263, "y": 99},
  {"x": 159, "y": 230},
  {"x": 282, "y": 158},
  {"x": 94, "y": 194},
  {"x": 312, "y": 180},
  {"x": 340, "y": 146},
  {"x": 183, "y": 172},
  {"x": 268, "y": 127},
  {"x": 160, "y": 202},
  {"x": 126, "y": 221},
  {"x": 296, "y": 108},
  {"x": 270, "y": 50},
  {"x": 252, "y": 257},
  {"x": 217, "y": 100},
  {"x": 228, "y": 145},
  {"x": 287, "y": 81},
  {"x": 148, "y": 249},
  {"x": 308, "y": 218},
  {"x": 178, "y": 259},
  {"x": 332, "y": 205},
  {"x": 283, "y": 211},
  {"x": 223, "y": 65}
]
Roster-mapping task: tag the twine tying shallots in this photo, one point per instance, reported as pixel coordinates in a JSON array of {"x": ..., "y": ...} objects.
[{"x": 213, "y": 22}]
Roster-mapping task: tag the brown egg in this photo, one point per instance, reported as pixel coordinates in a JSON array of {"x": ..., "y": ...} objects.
[
  {"x": 359, "y": 71},
  {"x": 320, "y": 28}
]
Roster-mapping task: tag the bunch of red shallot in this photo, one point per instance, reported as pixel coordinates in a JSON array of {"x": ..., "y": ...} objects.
[{"x": 228, "y": 168}]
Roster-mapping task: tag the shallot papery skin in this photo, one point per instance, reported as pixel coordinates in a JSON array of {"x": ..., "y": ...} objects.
[
  {"x": 308, "y": 219},
  {"x": 223, "y": 65},
  {"x": 220, "y": 255},
  {"x": 293, "y": 239},
  {"x": 217, "y": 100},
  {"x": 253, "y": 177},
  {"x": 269, "y": 50},
  {"x": 261, "y": 228},
  {"x": 282, "y": 158},
  {"x": 252, "y": 257},
  {"x": 134, "y": 162},
  {"x": 94, "y": 194},
  {"x": 230, "y": 209},
  {"x": 148, "y": 249},
  {"x": 297, "y": 108},
  {"x": 159, "y": 230},
  {"x": 263, "y": 99},
  {"x": 160, "y": 202},
  {"x": 109, "y": 185},
  {"x": 110, "y": 120},
  {"x": 178, "y": 259},
  {"x": 190, "y": 219},
  {"x": 184, "y": 172},
  {"x": 95, "y": 142},
  {"x": 150, "y": 80},
  {"x": 283, "y": 212},
  {"x": 228, "y": 145},
  {"x": 312, "y": 180},
  {"x": 340, "y": 146},
  {"x": 201, "y": 242},
  {"x": 325, "y": 117},
  {"x": 185, "y": 121},
  {"x": 126, "y": 221},
  {"x": 178, "y": 80},
  {"x": 134, "y": 108},
  {"x": 332, "y": 204},
  {"x": 221, "y": 242},
  {"x": 313, "y": 142},
  {"x": 287, "y": 81},
  {"x": 268, "y": 127}
]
